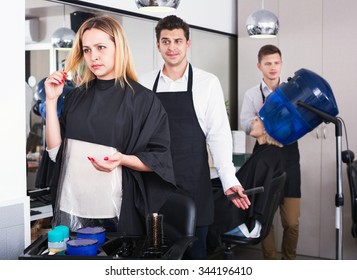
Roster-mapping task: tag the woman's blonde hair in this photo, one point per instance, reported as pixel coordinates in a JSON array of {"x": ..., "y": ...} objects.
[
  {"x": 271, "y": 141},
  {"x": 124, "y": 66}
]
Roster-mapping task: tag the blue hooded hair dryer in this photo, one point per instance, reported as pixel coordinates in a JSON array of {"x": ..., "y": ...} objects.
[{"x": 285, "y": 114}]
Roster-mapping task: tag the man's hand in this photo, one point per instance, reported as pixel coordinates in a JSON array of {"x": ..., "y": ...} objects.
[{"x": 241, "y": 200}]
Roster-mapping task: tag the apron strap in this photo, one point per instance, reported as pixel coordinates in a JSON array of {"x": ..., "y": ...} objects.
[
  {"x": 261, "y": 91},
  {"x": 189, "y": 84}
]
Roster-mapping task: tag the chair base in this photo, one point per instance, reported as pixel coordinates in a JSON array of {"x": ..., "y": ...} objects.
[{"x": 228, "y": 252}]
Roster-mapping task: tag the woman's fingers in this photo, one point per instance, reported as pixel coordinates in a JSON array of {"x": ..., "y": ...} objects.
[
  {"x": 57, "y": 78},
  {"x": 54, "y": 84},
  {"x": 102, "y": 166}
]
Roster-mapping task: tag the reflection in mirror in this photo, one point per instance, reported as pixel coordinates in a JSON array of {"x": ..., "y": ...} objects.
[
  {"x": 37, "y": 64},
  {"x": 31, "y": 81}
]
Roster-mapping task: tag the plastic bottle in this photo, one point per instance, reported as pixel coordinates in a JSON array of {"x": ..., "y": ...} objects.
[
  {"x": 65, "y": 231},
  {"x": 56, "y": 243}
]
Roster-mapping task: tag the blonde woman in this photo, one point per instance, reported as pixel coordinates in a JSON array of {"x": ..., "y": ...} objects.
[
  {"x": 111, "y": 143},
  {"x": 264, "y": 164}
]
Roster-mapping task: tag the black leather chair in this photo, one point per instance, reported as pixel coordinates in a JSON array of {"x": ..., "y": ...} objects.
[
  {"x": 179, "y": 223},
  {"x": 348, "y": 158},
  {"x": 229, "y": 241}
]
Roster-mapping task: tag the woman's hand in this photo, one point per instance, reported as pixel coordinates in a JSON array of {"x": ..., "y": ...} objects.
[
  {"x": 240, "y": 200},
  {"x": 54, "y": 85},
  {"x": 109, "y": 163}
]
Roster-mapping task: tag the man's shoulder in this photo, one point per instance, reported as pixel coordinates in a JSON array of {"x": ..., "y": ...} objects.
[
  {"x": 204, "y": 76},
  {"x": 147, "y": 79},
  {"x": 201, "y": 72},
  {"x": 256, "y": 87},
  {"x": 253, "y": 90}
]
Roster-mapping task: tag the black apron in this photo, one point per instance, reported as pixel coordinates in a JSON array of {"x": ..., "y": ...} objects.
[{"x": 188, "y": 148}]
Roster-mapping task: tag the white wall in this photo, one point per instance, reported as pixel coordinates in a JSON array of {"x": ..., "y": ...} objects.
[{"x": 12, "y": 106}]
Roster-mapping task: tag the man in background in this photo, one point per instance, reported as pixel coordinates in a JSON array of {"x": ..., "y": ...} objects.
[{"x": 270, "y": 64}]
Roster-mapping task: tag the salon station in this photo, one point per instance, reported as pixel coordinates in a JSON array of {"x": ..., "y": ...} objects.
[{"x": 317, "y": 39}]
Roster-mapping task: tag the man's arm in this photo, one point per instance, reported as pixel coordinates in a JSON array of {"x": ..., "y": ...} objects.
[{"x": 219, "y": 136}]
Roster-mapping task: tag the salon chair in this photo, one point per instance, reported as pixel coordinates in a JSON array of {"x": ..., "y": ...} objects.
[
  {"x": 179, "y": 224},
  {"x": 348, "y": 158},
  {"x": 229, "y": 241}
]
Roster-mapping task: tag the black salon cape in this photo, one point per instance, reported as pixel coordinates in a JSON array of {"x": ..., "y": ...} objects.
[
  {"x": 134, "y": 124},
  {"x": 264, "y": 164},
  {"x": 292, "y": 167}
]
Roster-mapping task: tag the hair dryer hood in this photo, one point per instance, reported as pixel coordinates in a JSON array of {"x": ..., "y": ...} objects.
[{"x": 284, "y": 119}]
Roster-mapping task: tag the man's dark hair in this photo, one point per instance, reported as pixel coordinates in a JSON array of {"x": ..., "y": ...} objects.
[
  {"x": 267, "y": 50},
  {"x": 172, "y": 22}
]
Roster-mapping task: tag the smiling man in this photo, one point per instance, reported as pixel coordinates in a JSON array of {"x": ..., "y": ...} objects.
[{"x": 194, "y": 102}]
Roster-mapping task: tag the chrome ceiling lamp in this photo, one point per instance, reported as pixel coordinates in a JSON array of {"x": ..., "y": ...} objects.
[
  {"x": 159, "y": 6},
  {"x": 262, "y": 24},
  {"x": 63, "y": 37}
]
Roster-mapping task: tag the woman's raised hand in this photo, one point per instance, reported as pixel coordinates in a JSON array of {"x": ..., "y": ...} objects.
[{"x": 54, "y": 85}]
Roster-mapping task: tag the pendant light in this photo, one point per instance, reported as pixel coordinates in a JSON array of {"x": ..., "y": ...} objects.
[
  {"x": 160, "y": 6},
  {"x": 262, "y": 24},
  {"x": 63, "y": 37}
]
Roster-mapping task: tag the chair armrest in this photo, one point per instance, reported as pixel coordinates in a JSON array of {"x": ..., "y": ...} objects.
[{"x": 178, "y": 248}]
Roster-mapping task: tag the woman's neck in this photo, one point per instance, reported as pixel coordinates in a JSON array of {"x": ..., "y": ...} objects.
[{"x": 261, "y": 140}]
